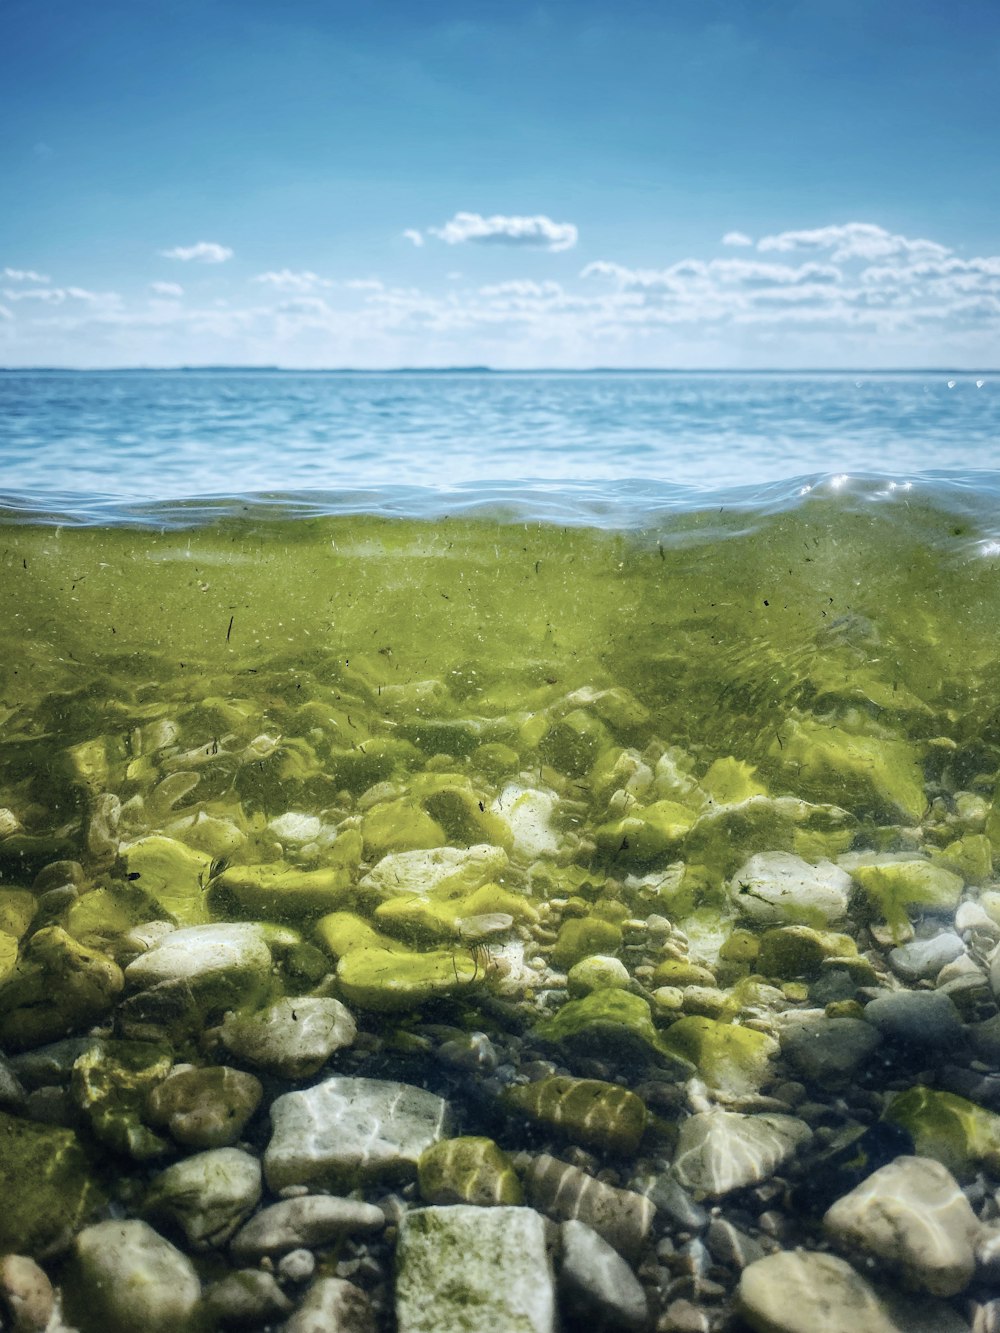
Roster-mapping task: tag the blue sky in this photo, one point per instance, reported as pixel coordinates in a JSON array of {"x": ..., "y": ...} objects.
[{"x": 662, "y": 183}]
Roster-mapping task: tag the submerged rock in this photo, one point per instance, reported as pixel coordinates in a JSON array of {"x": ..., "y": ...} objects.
[
  {"x": 586, "y": 1110},
  {"x": 207, "y": 1196},
  {"x": 775, "y": 888},
  {"x": 730, "y": 1058},
  {"x": 468, "y": 1170},
  {"x": 126, "y": 1277},
  {"x": 954, "y": 1131},
  {"x": 225, "y": 965},
  {"x": 46, "y": 1184},
  {"x": 110, "y": 1084},
  {"x": 474, "y": 1269},
  {"x": 797, "y": 1291},
  {"x": 609, "y": 1022},
  {"x": 332, "y": 1305},
  {"x": 292, "y": 1038},
  {"x": 597, "y": 1285},
  {"x": 58, "y": 987},
  {"x": 897, "y": 888},
  {"x": 305, "y": 1223},
  {"x": 564, "y": 1192},
  {"x": 721, "y": 1151},
  {"x": 206, "y": 1107}
]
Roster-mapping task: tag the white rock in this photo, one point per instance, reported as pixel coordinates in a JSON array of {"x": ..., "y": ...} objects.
[
  {"x": 332, "y": 1305},
  {"x": 200, "y": 953},
  {"x": 481, "y": 1270},
  {"x": 798, "y": 1291},
  {"x": 913, "y": 1215},
  {"x": 779, "y": 887},
  {"x": 529, "y": 812},
  {"x": 443, "y": 872},
  {"x": 292, "y": 1037},
  {"x": 295, "y": 827},
  {"x": 720, "y": 1151}
]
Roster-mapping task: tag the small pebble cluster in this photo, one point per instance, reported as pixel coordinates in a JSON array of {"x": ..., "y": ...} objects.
[{"x": 511, "y": 1019}]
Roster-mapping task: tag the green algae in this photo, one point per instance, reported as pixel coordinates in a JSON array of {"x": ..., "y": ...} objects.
[
  {"x": 470, "y": 1170},
  {"x": 47, "y": 1185},
  {"x": 585, "y": 1110},
  {"x": 949, "y": 1128}
]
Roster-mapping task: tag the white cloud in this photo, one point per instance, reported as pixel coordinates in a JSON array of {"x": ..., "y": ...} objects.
[
  {"x": 411, "y": 234},
  {"x": 853, "y": 240},
  {"x": 5, "y": 313},
  {"x": 501, "y": 230},
  {"x": 205, "y": 252},
  {"x": 285, "y": 280},
  {"x": 58, "y": 295},
  {"x": 24, "y": 275},
  {"x": 736, "y": 238},
  {"x": 167, "y": 289}
]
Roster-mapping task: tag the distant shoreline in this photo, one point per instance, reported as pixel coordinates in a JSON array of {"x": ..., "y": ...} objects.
[{"x": 491, "y": 370}]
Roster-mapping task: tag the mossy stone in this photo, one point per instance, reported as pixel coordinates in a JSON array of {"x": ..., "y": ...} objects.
[
  {"x": 791, "y": 952},
  {"x": 279, "y": 892},
  {"x": 468, "y": 1170},
  {"x": 681, "y": 972},
  {"x": 730, "y": 1058},
  {"x": 57, "y": 988},
  {"x": 895, "y": 888},
  {"x": 487, "y": 910},
  {"x": 742, "y": 946},
  {"x": 725, "y": 835},
  {"x": 172, "y": 874},
  {"x": 495, "y": 759},
  {"x": 46, "y": 1184},
  {"x": 17, "y": 908},
  {"x": 104, "y": 914},
  {"x": 951, "y": 1129},
  {"x": 374, "y": 760},
  {"x": 581, "y": 936},
  {"x": 615, "y": 1023},
  {"x": 574, "y": 742},
  {"x": 396, "y": 980},
  {"x": 400, "y": 826},
  {"x": 587, "y": 1111},
  {"x": 8, "y": 955},
  {"x": 596, "y": 972},
  {"x": 729, "y": 781},
  {"x": 110, "y": 1084},
  {"x": 467, "y": 819},
  {"x": 970, "y": 856},
  {"x": 646, "y": 834}
]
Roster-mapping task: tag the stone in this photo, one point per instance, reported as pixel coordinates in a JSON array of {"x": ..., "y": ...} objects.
[
  {"x": 226, "y": 965},
  {"x": 378, "y": 973},
  {"x": 728, "y": 1245},
  {"x": 279, "y": 892},
  {"x": 204, "y": 1107},
  {"x": 586, "y": 1110},
  {"x": 441, "y": 872},
  {"x": 913, "y": 1216},
  {"x": 529, "y": 812},
  {"x": 790, "y": 952},
  {"x": 292, "y": 1038},
  {"x": 729, "y": 1057},
  {"x": 681, "y": 972},
  {"x": 721, "y": 1151},
  {"x": 724, "y": 835},
  {"x": 474, "y": 1269},
  {"x": 206, "y": 1196},
  {"x": 110, "y": 1083},
  {"x": 922, "y": 959},
  {"x": 172, "y": 875},
  {"x": 780, "y": 888},
  {"x": 917, "y": 1021},
  {"x": 309, "y": 1222},
  {"x": 26, "y": 1297},
  {"x": 332, "y": 1305},
  {"x": 245, "y": 1299},
  {"x": 614, "y": 1023},
  {"x": 468, "y": 1170},
  {"x": 672, "y": 1201},
  {"x": 46, "y": 1184},
  {"x": 126, "y": 1277},
  {"x": 347, "y": 1130},
  {"x": 954, "y": 1131},
  {"x": 597, "y": 1284},
  {"x": 58, "y": 987},
  {"x": 581, "y": 936},
  {"x": 830, "y": 1051},
  {"x": 798, "y": 1291},
  {"x": 895, "y": 889},
  {"x": 646, "y": 834},
  {"x": 564, "y": 1192},
  {"x": 297, "y": 1266}
]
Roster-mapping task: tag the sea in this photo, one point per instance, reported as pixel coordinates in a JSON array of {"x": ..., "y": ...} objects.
[{"x": 591, "y": 643}]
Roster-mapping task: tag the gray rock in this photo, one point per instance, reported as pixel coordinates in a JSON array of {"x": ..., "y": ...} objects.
[
  {"x": 730, "y": 1246},
  {"x": 297, "y": 1266},
  {"x": 126, "y": 1277},
  {"x": 292, "y": 1038},
  {"x": 12, "y": 1094},
  {"x": 207, "y": 1196},
  {"x": 673, "y": 1201},
  {"x": 475, "y": 1269},
  {"x": 246, "y": 1298},
  {"x": 925, "y": 958},
  {"x": 830, "y": 1051},
  {"x": 564, "y": 1192},
  {"x": 797, "y": 1291},
  {"x": 912, "y": 1215},
  {"x": 332, "y": 1305},
  {"x": 26, "y": 1298},
  {"x": 721, "y": 1151},
  {"x": 309, "y": 1221},
  {"x": 776, "y": 888},
  {"x": 225, "y": 964},
  {"x": 207, "y": 1107},
  {"x": 596, "y": 1283},
  {"x": 347, "y": 1130},
  {"x": 919, "y": 1020}
]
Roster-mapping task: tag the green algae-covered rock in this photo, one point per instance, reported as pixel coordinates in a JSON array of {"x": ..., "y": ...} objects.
[
  {"x": 17, "y": 908},
  {"x": 378, "y": 973},
  {"x": 581, "y": 936},
  {"x": 730, "y": 1058},
  {"x": 46, "y": 1186},
  {"x": 124, "y": 1277},
  {"x": 474, "y": 1270},
  {"x": 466, "y": 818},
  {"x": 58, "y": 987},
  {"x": 440, "y": 873},
  {"x": 646, "y": 834},
  {"x": 486, "y": 911},
  {"x": 585, "y": 1110},
  {"x": 110, "y": 1084},
  {"x": 789, "y": 952},
  {"x": 596, "y": 972},
  {"x": 730, "y": 781},
  {"x": 172, "y": 875},
  {"x": 468, "y": 1170},
  {"x": 832, "y": 764},
  {"x": 208, "y": 1196},
  {"x": 681, "y": 972},
  {"x": 280, "y": 892},
  {"x": 399, "y": 826},
  {"x": 217, "y": 835},
  {"x": 100, "y": 917},
  {"x": 375, "y": 760},
  {"x": 895, "y": 888},
  {"x": 8, "y": 955},
  {"x": 725, "y": 835},
  {"x": 573, "y": 743},
  {"x": 949, "y": 1128},
  {"x": 971, "y": 857},
  {"x": 609, "y": 1022}
]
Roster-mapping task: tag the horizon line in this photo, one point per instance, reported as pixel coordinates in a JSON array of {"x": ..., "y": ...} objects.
[{"x": 223, "y": 368}]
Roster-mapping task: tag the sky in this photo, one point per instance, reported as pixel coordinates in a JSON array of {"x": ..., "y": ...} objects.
[{"x": 650, "y": 183}]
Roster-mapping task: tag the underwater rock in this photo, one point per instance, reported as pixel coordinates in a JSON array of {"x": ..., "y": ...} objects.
[
  {"x": 204, "y": 1107},
  {"x": 609, "y": 1022},
  {"x": 924, "y": 959},
  {"x": 564, "y": 1192},
  {"x": 586, "y": 1110},
  {"x": 173, "y": 875},
  {"x": 399, "y": 826},
  {"x": 596, "y": 972},
  {"x": 26, "y": 1296},
  {"x": 800, "y": 1291},
  {"x": 777, "y": 888},
  {"x": 442, "y": 872},
  {"x": 912, "y": 1215},
  {"x": 730, "y": 1058},
  {"x": 309, "y": 1222},
  {"x": 830, "y": 1051},
  {"x": 207, "y": 1196},
  {"x": 724, "y": 836},
  {"x": 579, "y": 937},
  {"x": 721, "y": 1151},
  {"x": 348, "y": 1130},
  {"x": 126, "y": 1277},
  {"x": 47, "y": 1186},
  {"x": 110, "y": 1084},
  {"x": 920, "y": 1022},
  {"x": 280, "y": 892},
  {"x": 226, "y": 964},
  {"x": 468, "y": 1170},
  {"x": 292, "y": 1038},
  {"x": 245, "y": 1299},
  {"x": 954, "y": 1131},
  {"x": 596, "y": 1284},
  {"x": 474, "y": 1269},
  {"x": 896, "y": 888},
  {"x": 645, "y": 834},
  {"x": 332, "y": 1305},
  {"x": 58, "y": 987},
  {"x": 529, "y": 812},
  {"x": 378, "y": 973},
  {"x": 791, "y": 952}
]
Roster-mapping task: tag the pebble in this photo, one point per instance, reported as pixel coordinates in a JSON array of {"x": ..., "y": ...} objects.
[
  {"x": 292, "y": 1038},
  {"x": 297, "y": 1266},
  {"x": 247, "y": 1297},
  {"x": 925, "y": 958},
  {"x": 830, "y": 1051},
  {"x": 208, "y": 1195},
  {"x": 205, "y": 1108},
  {"x": 597, "y": 1284},
  {"x": 308, "y": 1222},
  {"x": 721, "y": 1151},
  {"x": 332, "y": 1305},
  {"x": 26, "y": 1298},
  {"x": 798, "y": 1291},
  {"x": 126, "y": 1277}
]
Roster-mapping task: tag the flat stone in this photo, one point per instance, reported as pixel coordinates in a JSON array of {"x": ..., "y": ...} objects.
[
  {"x": 799, "y": 1291},
  {"x": 918, "y": 1020},
  {"x": 207, "y": 1196},
  {"x": 292, "y": 1038},
  {"x": 775, "y": 888},
  {"x": 126, "y": 1277},
  {"x": 721, "y": 1151},
  {"x": 332, "y": 1305},
  {"x": 474, "y": 1269},
  {"x": 922, "y": 959},
  {"x": 347, "y": 1130},
  {"x": 912, "y": 1215},
  {"x": 597, "y": 1284},
  {"x": 830, "y": 1051},
  {"x": 307, "y": 1222},
  {"x": 226, "y": 964}
]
